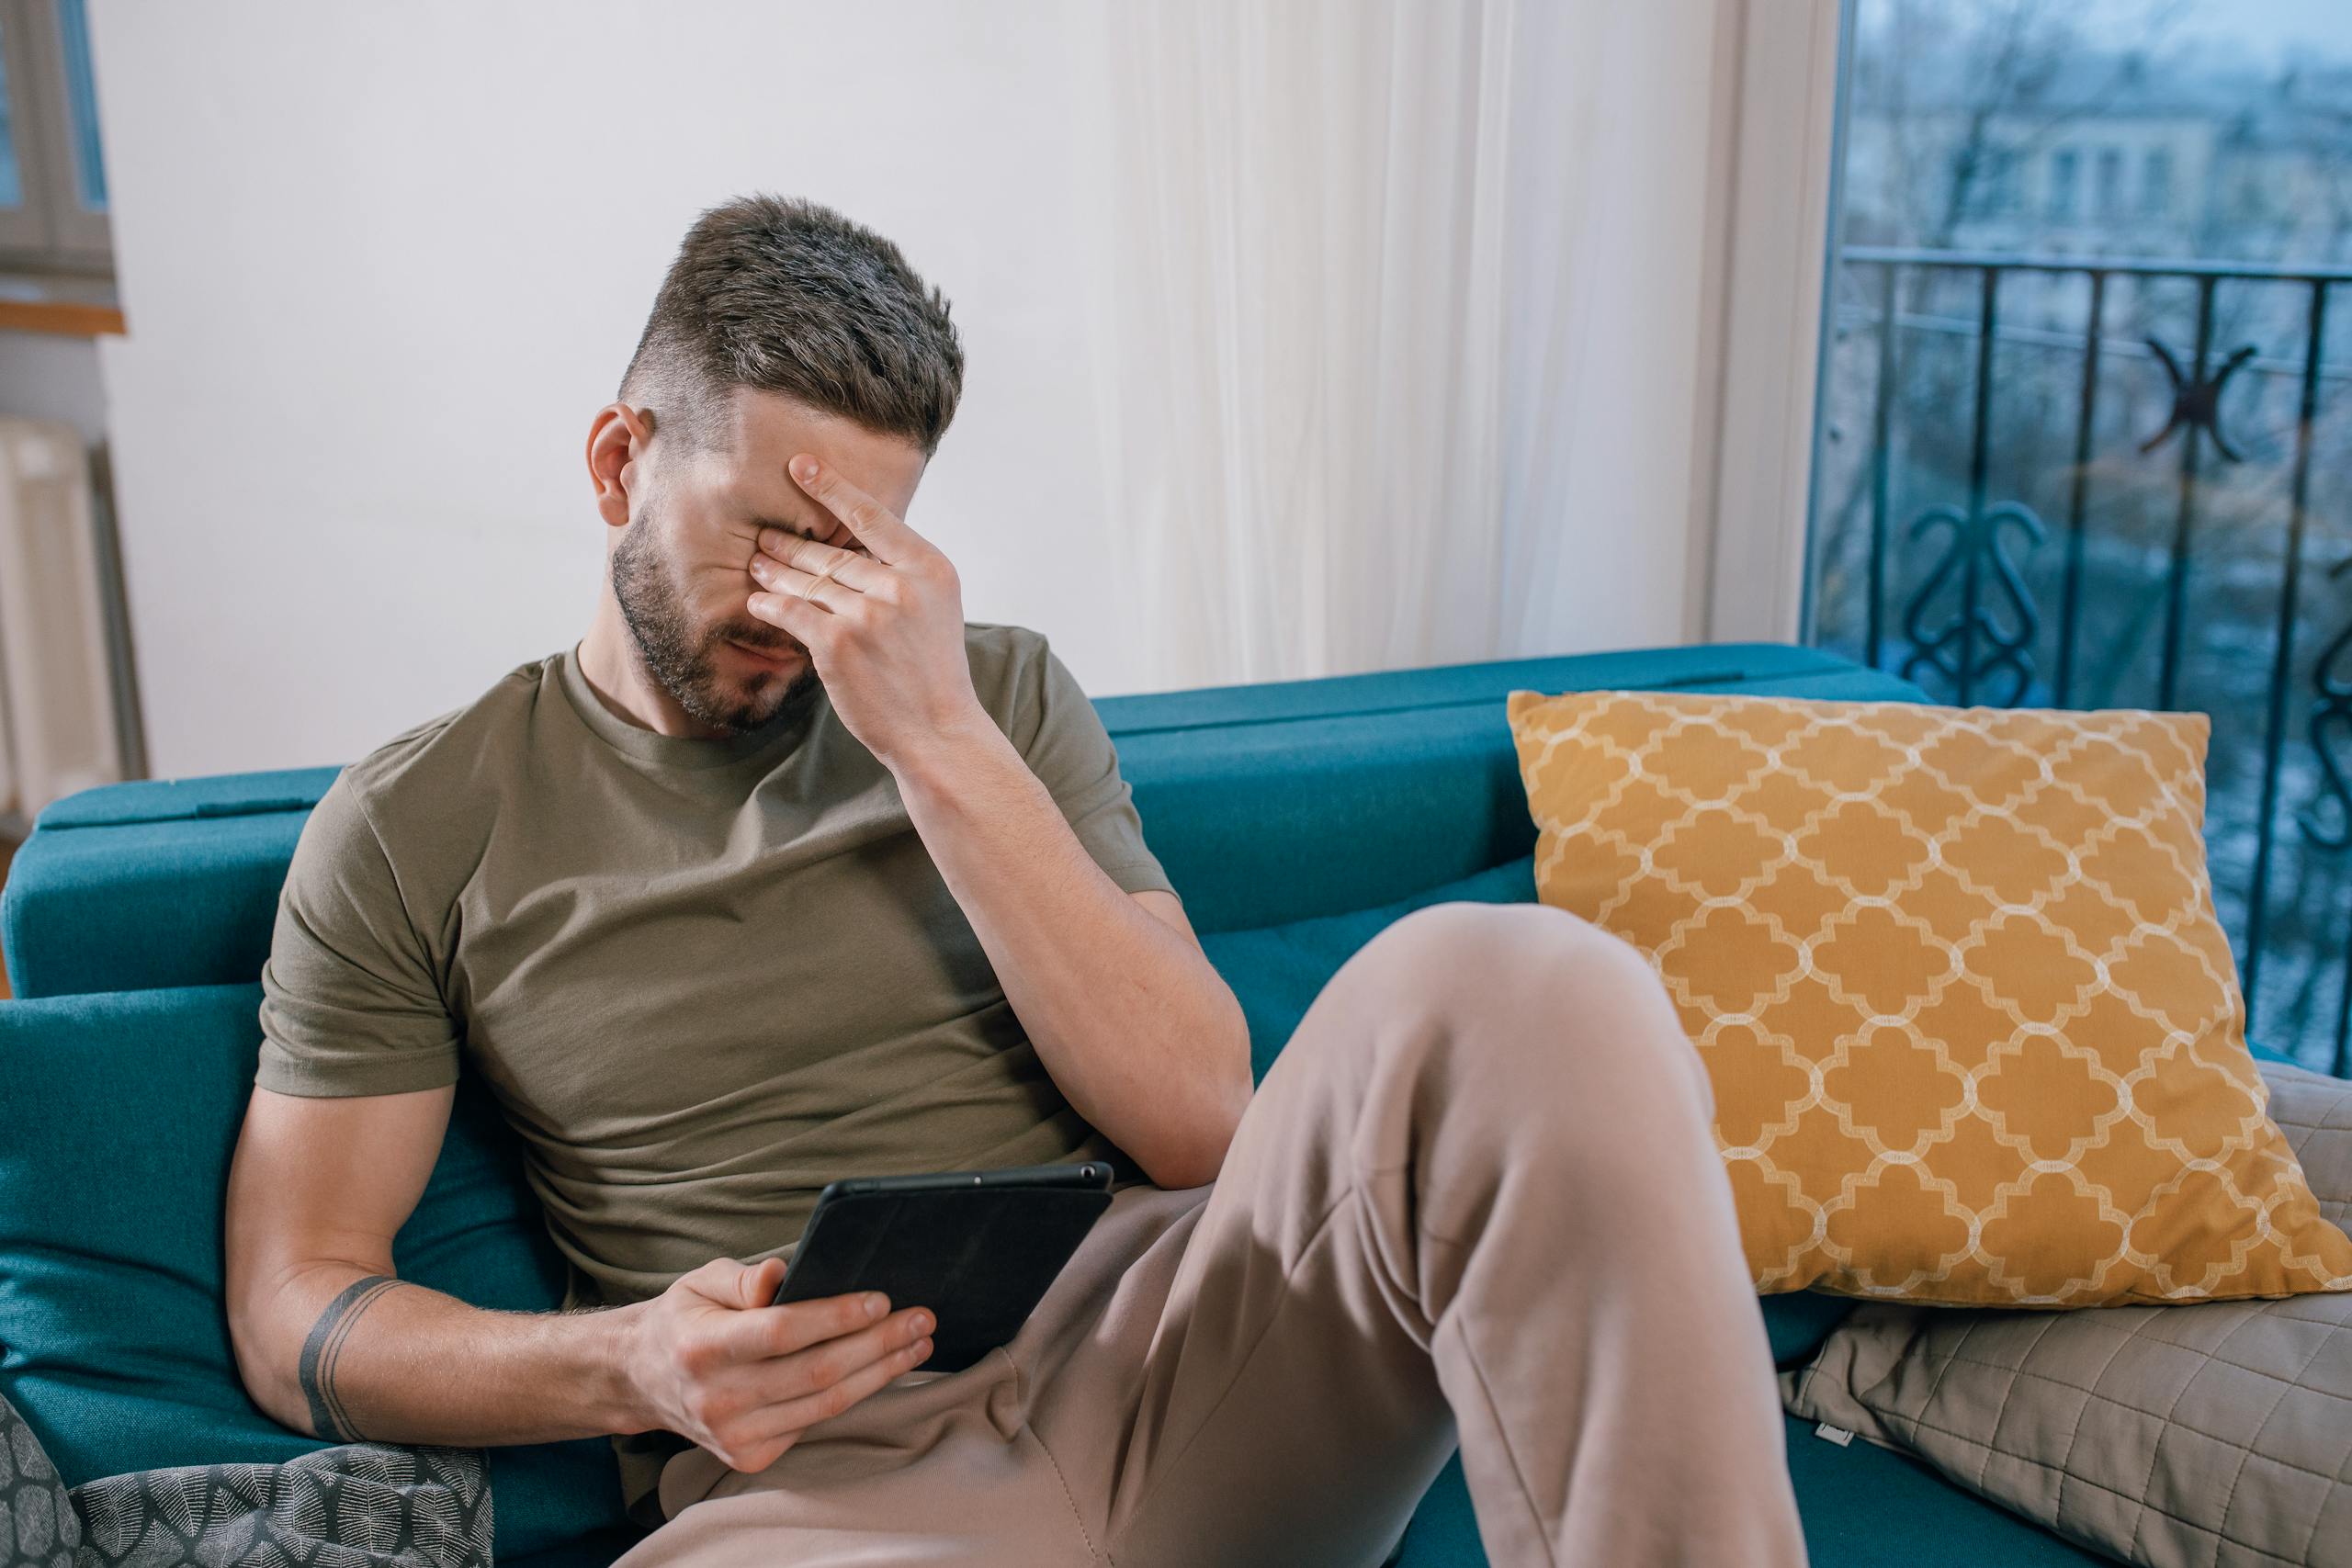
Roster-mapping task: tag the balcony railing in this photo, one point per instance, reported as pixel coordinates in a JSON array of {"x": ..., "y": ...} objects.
[{"x": 2003, "y": 389}]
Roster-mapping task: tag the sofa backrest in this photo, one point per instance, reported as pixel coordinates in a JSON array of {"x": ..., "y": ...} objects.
[{"x": 1266, "y": 804}]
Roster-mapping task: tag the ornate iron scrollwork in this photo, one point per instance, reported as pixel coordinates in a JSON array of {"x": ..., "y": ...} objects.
[
  {"x": 2196, "y": 404},
  {"x": 1974, "y": 644},
  {"x": 2331, "y": 736}
]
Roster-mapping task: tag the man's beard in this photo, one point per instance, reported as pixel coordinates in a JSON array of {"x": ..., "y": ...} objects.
[{"x": 683, "y": 660}]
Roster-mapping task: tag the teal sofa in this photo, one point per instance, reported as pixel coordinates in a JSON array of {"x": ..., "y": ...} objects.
[{"x": 1297, "y": 818}]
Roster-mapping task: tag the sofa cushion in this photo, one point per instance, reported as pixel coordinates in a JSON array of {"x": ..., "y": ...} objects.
[
  {"x": 1862, "y": 1507},
  {"x": 1956, "y": 973},
  {"x": 361, "y": 1505},
  {"x": 39, "y": 1526},
  {"x": 1277, "y": 970},
  {"x": 118, "y": 1116},
  {"x": 1865, "y": 1507}
]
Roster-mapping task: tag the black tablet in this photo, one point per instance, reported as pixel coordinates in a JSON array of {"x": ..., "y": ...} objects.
[{"x": 977, "y": 1248}]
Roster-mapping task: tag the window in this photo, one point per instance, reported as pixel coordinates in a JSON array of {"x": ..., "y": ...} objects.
[
  {"x": 2096, "y": 451},
  {"x": 52, "y": 174},
  {"x": 2155, "y": 182},
  {"x": 2065, "y": 174},
  {"x": 1985, "y": 179},
  {"x": 2001, "y": 181},
  {"x": 2111, "y": 181}
]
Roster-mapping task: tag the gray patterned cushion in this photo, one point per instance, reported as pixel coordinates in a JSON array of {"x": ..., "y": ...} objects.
[
  {"x": 356, "y": 1506},
  {"x": 2206, "y": 1435},
  {"x": 37, "y": 1529}
]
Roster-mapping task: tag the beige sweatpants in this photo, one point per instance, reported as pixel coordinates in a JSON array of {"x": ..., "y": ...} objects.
[{"x": 1475, "y": 1198}]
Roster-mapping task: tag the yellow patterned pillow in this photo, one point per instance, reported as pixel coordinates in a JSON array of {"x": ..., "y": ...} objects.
[{"x": 1974, "y": 1029}]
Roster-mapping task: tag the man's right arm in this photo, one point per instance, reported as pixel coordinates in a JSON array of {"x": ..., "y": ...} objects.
[{"x": 329, "y": 1341}]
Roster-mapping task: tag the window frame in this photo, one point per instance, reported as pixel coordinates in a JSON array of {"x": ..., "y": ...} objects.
[
  {"x": 1780, "y": 105},
  {"x": 52, "y": 232}
]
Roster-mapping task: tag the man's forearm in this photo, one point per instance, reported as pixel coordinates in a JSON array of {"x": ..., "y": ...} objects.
[
  {"x": 348, "y": 1356},
  {"x": 1137, "y": 1029}
]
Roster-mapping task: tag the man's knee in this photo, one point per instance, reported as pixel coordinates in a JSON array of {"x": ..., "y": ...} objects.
[
  {"x": 1509, "y": 940},
  {"x": 1552, "y": 1005}
]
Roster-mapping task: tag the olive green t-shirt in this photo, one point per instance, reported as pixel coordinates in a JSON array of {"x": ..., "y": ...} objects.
[{"x": 701, "y": 977}]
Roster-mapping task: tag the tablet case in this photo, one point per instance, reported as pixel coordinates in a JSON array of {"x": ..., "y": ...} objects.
[{"x": 980, "y": 1258}]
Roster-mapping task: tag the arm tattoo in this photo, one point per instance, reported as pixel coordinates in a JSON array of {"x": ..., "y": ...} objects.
[{"x": 323, "y": 1349}]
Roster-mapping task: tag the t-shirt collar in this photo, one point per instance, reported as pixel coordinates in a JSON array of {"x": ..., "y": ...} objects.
[{"x": 778, "y": 734}]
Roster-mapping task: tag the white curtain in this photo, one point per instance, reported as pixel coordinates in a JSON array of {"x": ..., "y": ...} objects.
[{"x": 1351, "y": 321}]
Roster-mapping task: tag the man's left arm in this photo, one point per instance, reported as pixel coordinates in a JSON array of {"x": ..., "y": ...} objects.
[{"x": 1138, "y": 1029}]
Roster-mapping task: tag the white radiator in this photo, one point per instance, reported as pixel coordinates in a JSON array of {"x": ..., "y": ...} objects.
[{"x": 58, "y": 721}]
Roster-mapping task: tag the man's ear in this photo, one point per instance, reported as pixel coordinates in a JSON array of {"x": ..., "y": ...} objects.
[{"x": 618, "y": 439}]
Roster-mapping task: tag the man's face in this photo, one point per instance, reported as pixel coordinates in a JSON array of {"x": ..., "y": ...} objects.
[{"x": 682, "y": 568}]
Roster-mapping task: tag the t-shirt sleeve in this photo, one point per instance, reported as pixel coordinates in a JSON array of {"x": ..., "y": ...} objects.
[
  {"x": 1062, "y": 738},
  {"x": 350, "y": 1005}
]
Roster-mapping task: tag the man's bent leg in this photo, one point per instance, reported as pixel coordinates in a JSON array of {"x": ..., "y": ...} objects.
[{"x": 1478, "y": 1187}]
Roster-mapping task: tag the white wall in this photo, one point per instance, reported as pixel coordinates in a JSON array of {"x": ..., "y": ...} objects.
[{"x": 382, "y": 263}]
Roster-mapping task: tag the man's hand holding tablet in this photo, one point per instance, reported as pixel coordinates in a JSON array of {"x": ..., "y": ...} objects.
[
  {"x": 712, "y": 1359},
  {"x": 742, "y": 1359}
]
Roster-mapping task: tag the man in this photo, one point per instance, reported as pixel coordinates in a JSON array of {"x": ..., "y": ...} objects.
[{"x": 784, "y": 873}]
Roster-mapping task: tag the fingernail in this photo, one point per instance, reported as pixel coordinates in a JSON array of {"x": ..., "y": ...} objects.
[
  {"x": 920, "y": 1323},
  {"x": 761, "y": 604},
  {"x": 805, "y": 468},
  {"x": 876, "y": 1306},
  {"x": 760, "y": 567},
  {"x": 921, "y": 1348}
]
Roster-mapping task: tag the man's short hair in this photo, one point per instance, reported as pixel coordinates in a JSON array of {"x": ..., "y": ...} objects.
[{"x": 788, "y": 296}]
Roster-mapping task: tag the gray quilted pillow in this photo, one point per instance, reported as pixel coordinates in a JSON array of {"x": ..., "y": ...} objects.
[{"x": 2207, "y": 1436}]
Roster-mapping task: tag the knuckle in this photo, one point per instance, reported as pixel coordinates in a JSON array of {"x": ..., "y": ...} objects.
[
  {"x": 782, "y": 1335},
  {"x": 833, "y": 1364}
]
